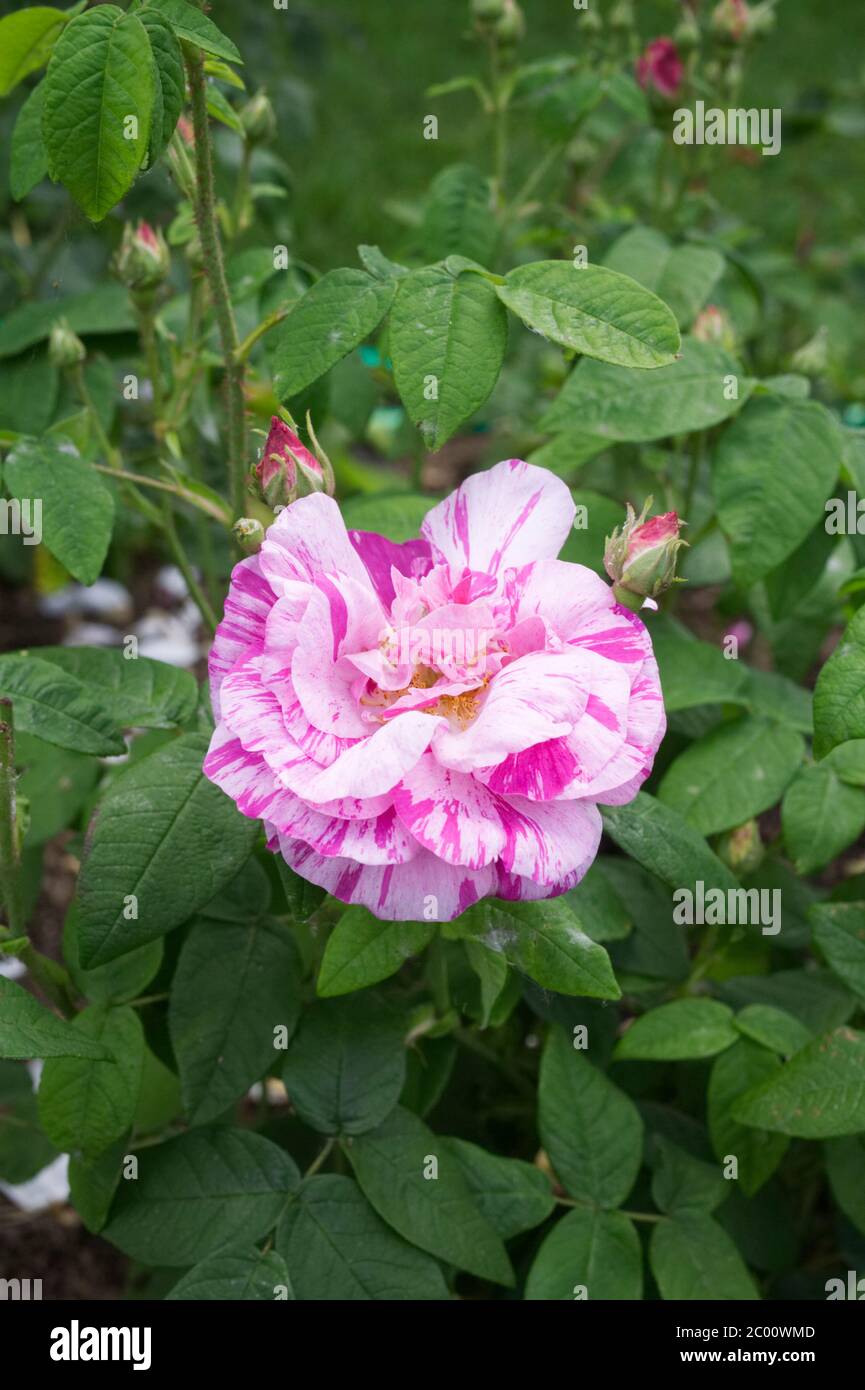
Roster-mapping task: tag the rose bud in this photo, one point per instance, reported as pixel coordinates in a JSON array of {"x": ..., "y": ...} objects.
[
  {"x": 250, "y": 533},
  {"x": 731, "y": 20},
  {"x": 712, "y": 325},
  {"x": 258, "y": 119},
  {"x": 661, "y": 67},
  {"x": 65, "y": 348},
  {"x": 142, "y": 261},
  {"x": 286, "y": 470},
  {"x": 511, "y": 27},
  {"x": 641, "y": 559},
  {"x": 741, "y": 849}
]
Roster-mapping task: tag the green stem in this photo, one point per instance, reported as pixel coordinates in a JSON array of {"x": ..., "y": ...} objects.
[
  {"x": 437, "y": 975},
  {"x": 320, "y": 1159},
  {"x": 245, "y": 348},
  {"x": 147, "y": 329},
  {"x": 196, "y": 592},
  {"x": 10, "y": 877},
  {"x": 214, "y": 264},
  {"x": 86, "y": 399}
]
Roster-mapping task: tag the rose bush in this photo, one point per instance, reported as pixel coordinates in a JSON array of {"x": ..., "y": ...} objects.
[{"x": 489, "y": 924}]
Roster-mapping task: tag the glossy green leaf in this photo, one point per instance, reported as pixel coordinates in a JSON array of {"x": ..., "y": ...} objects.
[
  {"x": 736, "y": 771},
  {"x": 242, "y": 1274},
  {"x": 28, "y": 162},
  {"x": 331, "y": 320},
  {"x": 29, "y": 1030},
  {"x": 595, "y": 1251},
  {"x": 514, "y": 1196},
  {"x": 678, "y": 1031},
  {"x": 136, "y": 692},
  {"x": 818, "y": 1094},
  {"x": 84, "y": 1105},
  {"x": 693, "y": 1258},
  {"x": 56, "y": 707},
  {"x": 77, "y": 536},
  {"x": 26, "y": 40},
  {"x": 545, "y": 941},
  {"x": 162, "y": 843},
  {"x": 361, "y": 950},
  {"x": 839, "y": 696},
  {"x": 195, "y": 28},
  {"x": 594, "y": 311}
]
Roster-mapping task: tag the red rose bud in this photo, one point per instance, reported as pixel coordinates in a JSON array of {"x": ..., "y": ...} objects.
[
  {"x": 286, "y": 470},
  {"x": 661, "y": 67},
  {"x": 641, "y": 559},
  {"x": 142, "y": 261}
]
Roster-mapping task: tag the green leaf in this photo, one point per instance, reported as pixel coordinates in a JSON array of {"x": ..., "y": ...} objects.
[
  {"x": 361, "y": 950},
  {"x": 249, "y": 974},
  {"x": 682, "y": 1183},
  {"x": 545, "y": 941},
  {"x": 662, "y": 841},
  {"x": 595, "y": 1250},
  {"x": 56, "y": 707},
  {"x": 103, "y": 310},
  {"x": 772, "y": 472},
  {"x": 55, "y": 783},
  {"x": 28, "y": 398},
  {"x": 597, "y": 516},
  {"x": 397, "y": 517},
  {"x": 100, "y": 76},
  {"x": 678, "y": 1031},
  {"x": 26, "y": 40},
  {"x": 848, "y": 761},
  {"x": 735, "y": 1072},
  {"x": 92, "y": 1185},
  {"x": 28, "y": 162},
  {"x": 514, "y": 1196},
  {"x": 655, "y": 948},
  {"x": 29, "y": 1030},
  {"x": 118, "y": 981},
  {"x": 772, "y": 1028},
  {"x": 378, "y": 264},
  {"x": 169, "y": 82},
  {"x": 243, "y": 1274},
  {"x": 820, "y": 817},
  {"x": 194, "y": 27},
  {"x": 839, "y": 695},
  {"x": 330, "y": 321},
  {"x": 591, "y": 1130},
  {"x": 614, "y": 403},
  {"x": 336, "y": 1247},
  {"x": 845, "y": 1159},
  {"x": 815, "y": 997},
  {"x": 594, "y": 311},
  {"x": 162, "y": 843},
  {"x": 839, "y": 931},
  {"x": 458, "y": 219},
  {"x": 24, "y": 1149},
  {"x": 818, "y": 1094},
  {"x": 199, "y": 1192},
  {"x": 448, "y": 335},
  {"x": 345, "y": 1069},
  {"x": 693, "y": 1258},
  {"x": 135, "y": 692},
  {"x": 695, "y": 673},
  {"x": 733, "y": 773},
  {"x": 598, "y": 906},
  {"x": 436, "y": 1212},
  {"x": 566, "y": 453},
  {"x": 683, "y": 276},
  {"x": 78, "y": 536},
  {"x": 85, "y": 1105},
  {"x": 769, "y": 693},
  {"x": 491, "y": 969}
]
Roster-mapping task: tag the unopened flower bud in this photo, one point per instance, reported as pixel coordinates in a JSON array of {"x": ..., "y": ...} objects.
[
  {"x": 258, "y": 119},
  {"x": 742, "y": 849},
  {"x": 511, "y": 27},
  {"x": 731, "y": 20},
  {"x": 686, "y": 34},
  {"x": 590, "y": 20},
  {"x": 661, "y": 68},
  {"x": 487, "y": 11},
  {"x": 250, "y": 534},
  {"x": 287, "y": 469},
  {"x": 641, "y": 559},
  {"x": 812, "y": 357},
  {"x": 712, "y": 325},
  {"x": 65, "y": 348},
  {"x": 142, "y": 261},
  {"x": 622, "y": 16}
]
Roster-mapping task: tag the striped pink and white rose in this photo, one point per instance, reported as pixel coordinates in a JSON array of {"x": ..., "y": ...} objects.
[{"x": 412, "y": 775}]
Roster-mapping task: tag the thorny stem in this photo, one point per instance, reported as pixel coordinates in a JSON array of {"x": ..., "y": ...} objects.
[
  {"x": 10, "y": 879},
  {"x": 53, "y": 979},
  {"x": 214, "y": 265}
]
